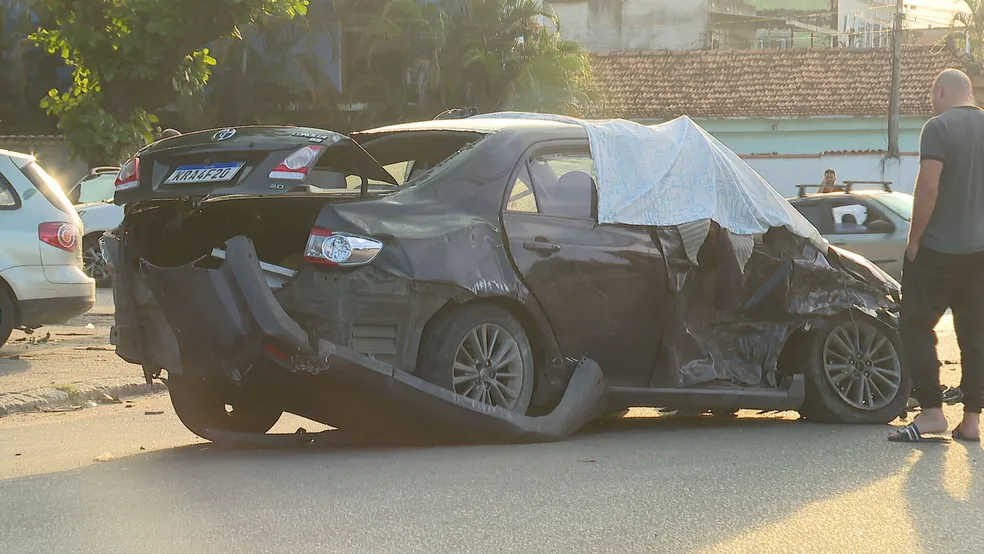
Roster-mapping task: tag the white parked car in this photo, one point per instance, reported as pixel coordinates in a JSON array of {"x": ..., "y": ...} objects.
[
  {"x": 93, "y": 200},
  {"x": 41, "y": 276}
]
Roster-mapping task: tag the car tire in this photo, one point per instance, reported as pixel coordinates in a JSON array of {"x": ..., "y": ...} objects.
[
  {"x": 92, "y": 258},
  {"x": 199, "y": 409},
  {"x": 450, "y": 340},
  {"x": 8, "y": 314},
  {"x": 835, "y": 380}
]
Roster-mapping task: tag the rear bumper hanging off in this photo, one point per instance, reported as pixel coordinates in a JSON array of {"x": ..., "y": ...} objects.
[{"x": 227, "y": 320}]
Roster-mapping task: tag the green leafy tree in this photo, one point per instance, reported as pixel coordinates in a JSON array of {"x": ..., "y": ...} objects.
[
  {"x": 26, "y": 72},
  {"x": 278, "y": 72},
  {"x": 421, "y": 57},
  {"x": 134, "y": 57},
  {"x": 968, "y": 25}
]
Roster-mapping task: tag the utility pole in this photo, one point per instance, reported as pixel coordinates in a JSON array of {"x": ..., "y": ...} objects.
[{"x": 895, "y": 98}]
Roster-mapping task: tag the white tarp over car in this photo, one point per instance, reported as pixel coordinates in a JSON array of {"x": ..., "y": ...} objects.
[{"x": 674, "y": 174}]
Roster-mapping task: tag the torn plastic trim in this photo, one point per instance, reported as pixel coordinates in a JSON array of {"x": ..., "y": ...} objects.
[
  {"x": 235, "y": 312},
  {"x": 416, "y": 412}
]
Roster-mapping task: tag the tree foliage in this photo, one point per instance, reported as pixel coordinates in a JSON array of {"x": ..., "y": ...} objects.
[
  {"x": 281, "y": 71},
  {"x": 421, "y": 57},
  {"x": 133, "y": 57},
  {"x": 26, "y": 72},
  {"x": 968, "y": 25}
]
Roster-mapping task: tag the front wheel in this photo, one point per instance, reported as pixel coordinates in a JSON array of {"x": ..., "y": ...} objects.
[
  {"x": 200, "y": 409},
  {"x": 854, "y": 372},
  {"x": 480, "y": 351}
]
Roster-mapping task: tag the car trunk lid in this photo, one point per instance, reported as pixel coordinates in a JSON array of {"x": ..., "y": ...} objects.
[{"x": 244, "y": 161}]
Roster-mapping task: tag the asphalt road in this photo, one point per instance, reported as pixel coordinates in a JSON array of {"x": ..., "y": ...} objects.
[{"x": 640, "y": 484}]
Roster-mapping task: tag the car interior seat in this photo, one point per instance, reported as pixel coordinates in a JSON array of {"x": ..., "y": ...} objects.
[{"x": 574, "y": 196}]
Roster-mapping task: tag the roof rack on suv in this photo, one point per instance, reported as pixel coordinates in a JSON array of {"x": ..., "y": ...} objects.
[
  {"x": 846, "y": 187},
  {"x": 104, "y": 169}
]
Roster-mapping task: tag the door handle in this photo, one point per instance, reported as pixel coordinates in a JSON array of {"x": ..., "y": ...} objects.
[{"x": 541, "y": 246}]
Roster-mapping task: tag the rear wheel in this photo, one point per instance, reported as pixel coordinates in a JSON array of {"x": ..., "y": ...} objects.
[
  {"x": 200, "y": 409},
  {"x": 94, "y": 263},
  {"x": 854, "y": 373},
  {"x": 480, "y": 351},
  {"x": 8, "y": 314}
]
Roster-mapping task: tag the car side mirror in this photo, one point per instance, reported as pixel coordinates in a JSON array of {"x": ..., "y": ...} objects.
[{"x": 880, "y": 226}]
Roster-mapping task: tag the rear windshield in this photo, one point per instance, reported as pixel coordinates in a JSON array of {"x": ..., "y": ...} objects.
[
  {"x": 46, "y": 184},
  {"x": 413, "y": 158},
  {"x": 97, "y": 188}
]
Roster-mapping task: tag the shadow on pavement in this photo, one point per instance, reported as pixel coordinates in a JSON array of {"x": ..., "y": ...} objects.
[
  {"x": 659, "y": 484},
  {"x": 944, "y": 491}
]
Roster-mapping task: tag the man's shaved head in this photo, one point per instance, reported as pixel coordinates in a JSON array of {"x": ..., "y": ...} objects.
[{"x": 951, "y": 88}]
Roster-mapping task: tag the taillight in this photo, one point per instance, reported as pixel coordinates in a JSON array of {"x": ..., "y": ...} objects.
[
  {"x": 63, "y": 236},
  {"x": 129, "y": 175},
  {"x": 327, "y": 247},
  {"x": 295, "y": 167}
]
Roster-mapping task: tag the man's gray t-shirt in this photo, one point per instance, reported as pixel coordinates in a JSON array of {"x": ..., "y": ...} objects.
[{"x": 956, "y": 138}]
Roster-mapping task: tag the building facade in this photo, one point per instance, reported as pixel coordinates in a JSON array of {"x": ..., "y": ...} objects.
[{"x": 791, "y": 113}]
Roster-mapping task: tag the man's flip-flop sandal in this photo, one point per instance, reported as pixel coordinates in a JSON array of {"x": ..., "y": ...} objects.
[
  {"x": 958, "y": 434},
  {"x": 910, "y": 433}
]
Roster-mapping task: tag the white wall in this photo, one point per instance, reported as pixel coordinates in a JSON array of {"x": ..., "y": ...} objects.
[
  {"x": 784, "y": 173},
  {"x": 637, "y": 25}
]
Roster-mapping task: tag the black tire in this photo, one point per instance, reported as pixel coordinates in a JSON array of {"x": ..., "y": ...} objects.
[
  {"x": 8, "y": 314},
  {"x": 828, "y": 403},
  {"x": 446, "y": 335},
  {"x": 199, "y": 410},
  {"x": 95, "y": 265}
]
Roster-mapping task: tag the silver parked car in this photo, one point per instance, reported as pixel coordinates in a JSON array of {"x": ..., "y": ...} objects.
[{"x": 871, "y": 222}]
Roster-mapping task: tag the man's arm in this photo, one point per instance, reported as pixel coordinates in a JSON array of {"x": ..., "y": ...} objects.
[
  {"x": 932, "y": 156},
  {"x": 927, "y": 189}
]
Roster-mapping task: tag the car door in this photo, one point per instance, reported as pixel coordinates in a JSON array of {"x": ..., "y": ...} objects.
[
  {"x": 601, "y": 286},
  {"x": 862, "y": 227}
]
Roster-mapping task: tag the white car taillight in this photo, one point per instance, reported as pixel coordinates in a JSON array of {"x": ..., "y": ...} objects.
[
  {"x": 129, "y": 175},
  {"x": 295, "y": 167},
  {"x": 327, "y": 247},
  {"x": 63, "y": 236}
]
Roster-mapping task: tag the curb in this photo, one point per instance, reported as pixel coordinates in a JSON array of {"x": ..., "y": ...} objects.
[{"x": 33, "y": 400}]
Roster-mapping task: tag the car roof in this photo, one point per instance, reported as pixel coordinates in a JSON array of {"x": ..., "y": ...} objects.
[
  {"x": 12, "y": 154},
  {"x": 476, "y": 125}
]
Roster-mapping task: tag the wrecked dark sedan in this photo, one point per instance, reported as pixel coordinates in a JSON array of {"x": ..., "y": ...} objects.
[{"x": 495, "y": 278}]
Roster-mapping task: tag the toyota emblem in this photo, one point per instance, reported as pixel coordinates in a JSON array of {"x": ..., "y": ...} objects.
[{"x": 224, "y": 134}]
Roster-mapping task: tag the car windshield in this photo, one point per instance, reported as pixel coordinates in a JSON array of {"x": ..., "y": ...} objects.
[
  {"x": 898, "y": 202},
  {"x": 97, "y": 188}
]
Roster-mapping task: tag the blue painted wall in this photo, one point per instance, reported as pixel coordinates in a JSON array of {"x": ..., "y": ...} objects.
[{"x": 810, "y": 135}]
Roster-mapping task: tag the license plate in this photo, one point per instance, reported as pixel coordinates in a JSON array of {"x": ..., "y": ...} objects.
[{"x": 205, "y": 173}]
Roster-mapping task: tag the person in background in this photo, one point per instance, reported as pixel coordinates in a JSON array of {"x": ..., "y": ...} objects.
[
  {"x": 943, "y": 265},
  {"x": 829, "y": 181}
]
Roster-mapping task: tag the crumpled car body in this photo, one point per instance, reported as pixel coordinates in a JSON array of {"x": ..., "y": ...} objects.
[{"x": 448, "y": 280}]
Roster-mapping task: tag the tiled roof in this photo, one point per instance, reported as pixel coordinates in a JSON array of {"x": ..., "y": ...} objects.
[{"x": 765, "y": 83}]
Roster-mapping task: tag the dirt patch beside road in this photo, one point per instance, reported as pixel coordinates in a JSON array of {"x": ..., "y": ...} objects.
[{"x": 70, "y": 359}]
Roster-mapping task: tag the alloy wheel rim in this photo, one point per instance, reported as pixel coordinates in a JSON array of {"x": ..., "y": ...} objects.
[
  {"x": 862, "y": 365},
  {"x": 488, "y": 366},
  {"x": 94, "y": 264}
]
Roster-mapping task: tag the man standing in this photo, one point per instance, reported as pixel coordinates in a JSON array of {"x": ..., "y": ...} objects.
[
  {"x": 829, "y": 180},
  {"x": 944, "y": 260}
]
